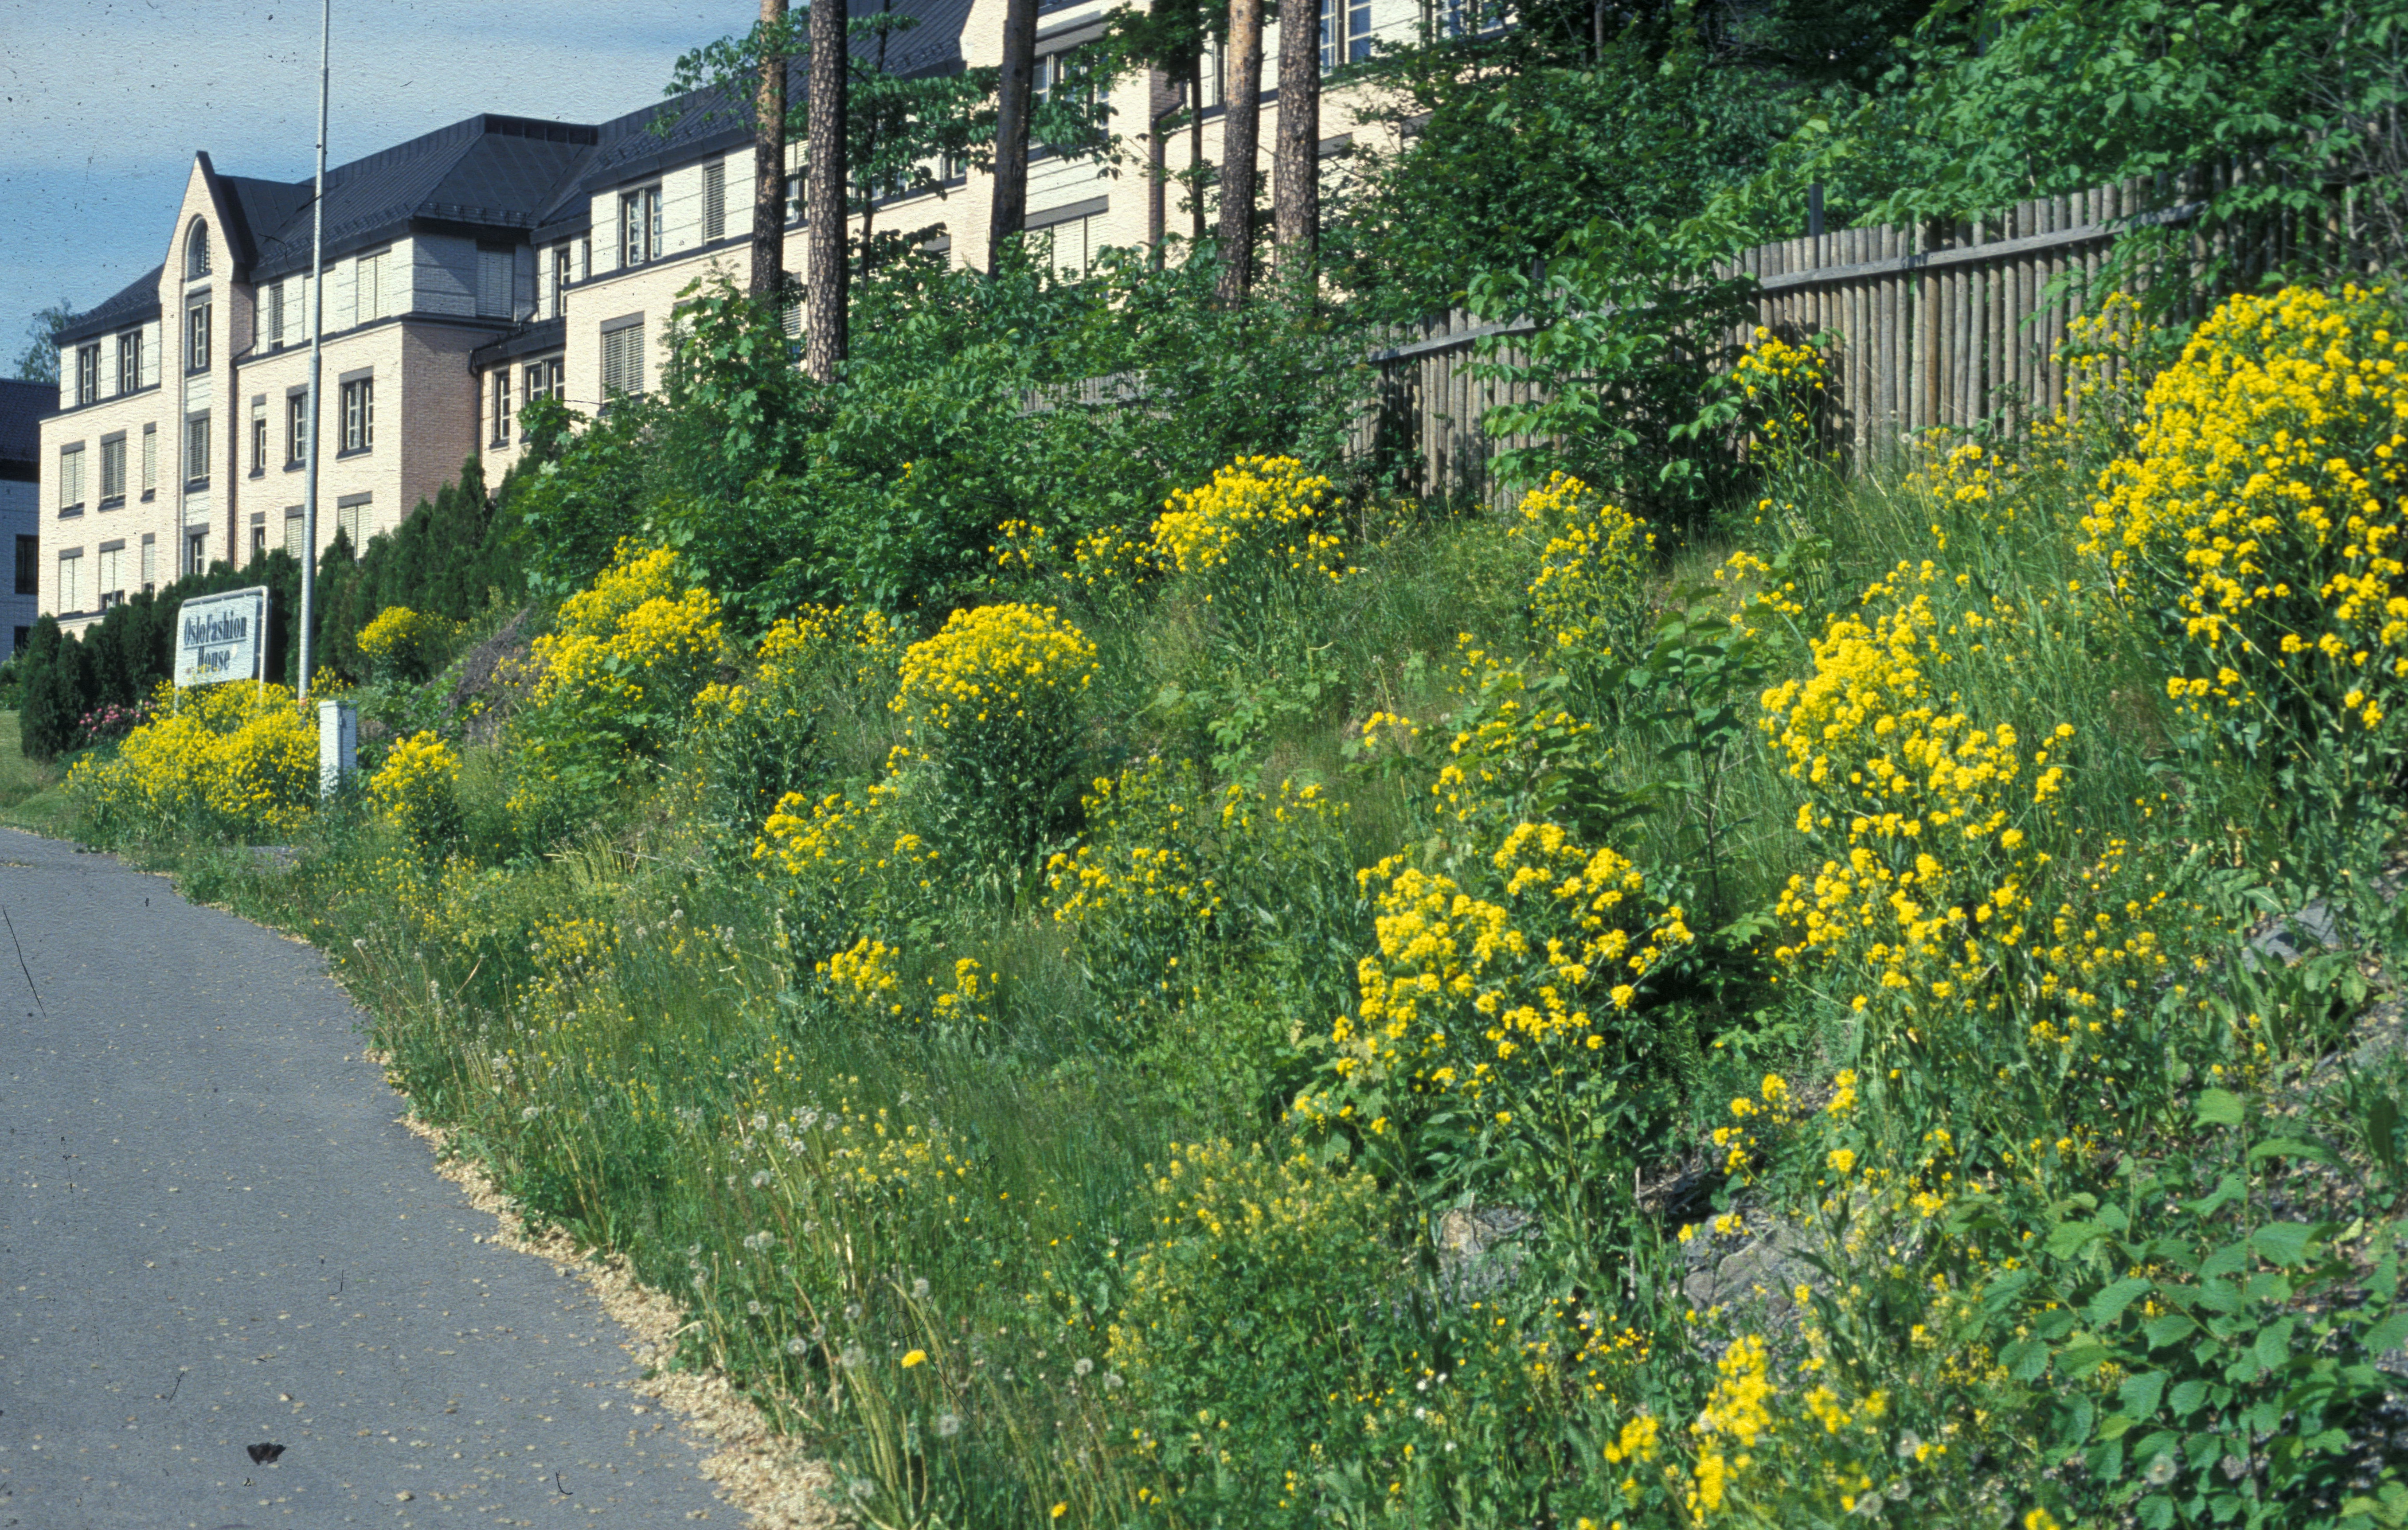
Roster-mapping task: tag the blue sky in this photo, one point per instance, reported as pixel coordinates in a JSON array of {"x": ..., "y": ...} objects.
[{"x": 103, "y": 102}]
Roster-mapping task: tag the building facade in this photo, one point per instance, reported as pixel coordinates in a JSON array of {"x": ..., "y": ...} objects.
[{"x": 477, "y": 267}]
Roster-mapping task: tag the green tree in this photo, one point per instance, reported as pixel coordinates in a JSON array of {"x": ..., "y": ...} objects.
[{"x": 40, "y": 360}]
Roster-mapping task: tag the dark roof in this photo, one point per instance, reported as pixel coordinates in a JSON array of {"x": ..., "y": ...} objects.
[
  {"x": 489, "y": 171},
  {"x": 21, "y": 407},
  {"x": 533, "y": 341},
  {"x": 137, "y": 304}
]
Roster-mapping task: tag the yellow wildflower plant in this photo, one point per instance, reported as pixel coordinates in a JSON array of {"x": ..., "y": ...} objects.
[
  {"x": 404, "y": 644},
  {"x": 1259, "y": 528},
  {"x": 614, "y": 684},
  {"x": 1783, "y": 385},
  {"x": 2257, "y": 522},
  {"x": 1588, "y": 601},
  {"x": 417, "y": 787},
  {"x": 237, "y": 761},
  {"x": 766, "y": 734},
  {"x": 993, "y": 702}
]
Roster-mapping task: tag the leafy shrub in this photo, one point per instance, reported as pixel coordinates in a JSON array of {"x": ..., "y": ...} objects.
[
  {"x": 993, "y": 703},
  {"x": 770, "y": 734},
  {"x": 1253, "y": 1316},
  {"x": 228, "y": 762}
]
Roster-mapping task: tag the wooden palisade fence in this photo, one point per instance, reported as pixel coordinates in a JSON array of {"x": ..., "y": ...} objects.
[{"x": 1942, "y": 325}]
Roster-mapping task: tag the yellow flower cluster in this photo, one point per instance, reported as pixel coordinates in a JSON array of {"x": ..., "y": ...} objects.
[
  {"x": 2258, "y": 515},
  {"x": 866, "y": 978},
  {"x": 237, "y": 760},
  {"x": 634, "y": 642},
  {"x": 1588, "y": 600},
  {"x": 418, "y": 785},
  {"x": 1783, "y": 385},
  {"x": 1468, "y": 992},
  {"x": 1107, "y": 561},
  {"x": 402, "y": 640},
  {"x": 997, "y": 671},
  {"x": 1257, "y": 512}
]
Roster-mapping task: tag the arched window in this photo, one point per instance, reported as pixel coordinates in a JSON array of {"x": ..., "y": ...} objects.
[{"x": 196, "y": 250}]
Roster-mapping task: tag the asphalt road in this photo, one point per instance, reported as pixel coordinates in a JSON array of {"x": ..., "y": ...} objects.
[{"x": 214, "y": 1235}]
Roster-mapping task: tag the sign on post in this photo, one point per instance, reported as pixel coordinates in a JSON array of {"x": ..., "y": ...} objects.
[{"x": 223, "y": 637}]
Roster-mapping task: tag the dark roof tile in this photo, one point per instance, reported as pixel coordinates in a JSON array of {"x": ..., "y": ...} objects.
[{"x": 136, "y": 303}]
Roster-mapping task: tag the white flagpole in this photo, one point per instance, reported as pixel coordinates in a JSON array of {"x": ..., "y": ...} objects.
[{"x": 317, "y": 346}]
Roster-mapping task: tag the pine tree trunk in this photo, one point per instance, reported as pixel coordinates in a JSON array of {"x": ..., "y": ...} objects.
[
  {"x": 1295, "y": 162},
  {"x": 1010, "y": 210},
  {"x": 770, "y": 164},
  {"x": 824, "y": 197},
  {"x": 1242, "y": 128}
]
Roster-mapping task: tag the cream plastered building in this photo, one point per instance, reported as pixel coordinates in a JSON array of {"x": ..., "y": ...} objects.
[{"x": 477, "y": 267}]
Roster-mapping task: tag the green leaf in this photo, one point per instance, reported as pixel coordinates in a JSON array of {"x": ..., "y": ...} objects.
[
  {"x": 2186, "y": 1397},
  {"x": 2219, "y": 1107},
  {"x": 2386, "y": 1336},
  {"x": 2167, "y": 1328},
  {"x": 2026, "y": 1360},
  {"x": 2287, "y": 1147},
  {"x": 2273, "y": 1345},
  {"x": 2141, "y": 1395},
  {"x": 2285, "y": 1243},
  {"x": 2108, "y": 1304},
  {"x": 2068, "y": 1238}
]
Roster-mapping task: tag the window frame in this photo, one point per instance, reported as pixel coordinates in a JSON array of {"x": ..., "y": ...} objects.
[
  {"x": 87, "y": 373},
  {"x": 129, "y": 361},
  {"x": 259, "y": 438},
  {"x": 70, "y": 563},
  {"x": 296, "y": 428},
  {"x": 196, "y": 250},
  {"x": 640, "y": 226},
  {"x": 197, "y": 324},
  {"x": 71, "y": 479},
  {"x": 149, "y": 461},
  {"x": 359, "y": 417},
  {"x": 197, "y": 451},
  {"x": 714, "y": 201},
  {"x": 116, "y": 459},
  {"x": 29, "y": 563}
]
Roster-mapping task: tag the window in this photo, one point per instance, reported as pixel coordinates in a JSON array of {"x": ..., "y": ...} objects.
[
  {"x": 560, "y": 279},
  {"x": 640, "y": 226},
  {"x": 197, "y": 552},
  {"x": 794, "y": 198},
  {"x": 258, "y": 438},
  {"x": 359, "y": 415},
  {"x": 502, "y": 406},
  {"x": 196, "y": 251},
  {"x": 543, "y": 381},
  {"x": 623, "y": 359},
  {"x": 258, "y": 538},
  {"x": 196, "y": 338},
  {"x": 293, "y": 540},
  {"x": 71, "y": 479},
  {"x": 493, "y": 283},
  {"x": 149, "y": 561},
  {"x": 112, "y": 470},
  {"x": 87, "y": 373},
  {"x": 197, "y": 451},
  {"x": 71, "y": 580},
  {"x": 110, "y": 586},
  {"x": 275, "y": 320},
  {"x": 1067, "y": 78},
  {"x": 351, "y": 518},
  {"x": 149, "y": 461},
  {"x": 371, "y": 281},
  {"x": 297, "y": 429},
  {"x": 1354, "y": 45},
  {"x": 129, "y": 361},
  {"x": 29, "y": 566},
  {"x": 714, "y": 201}
]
